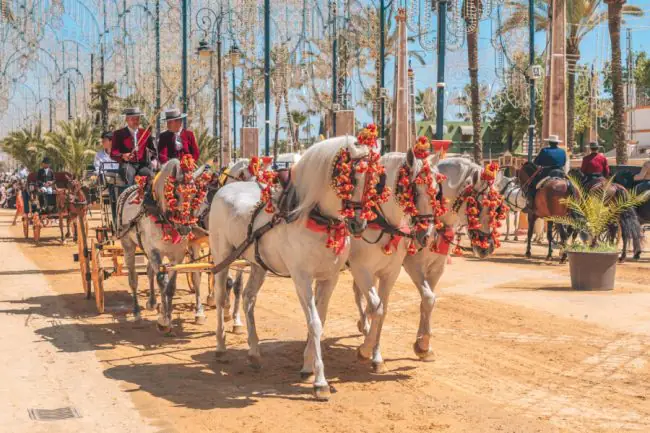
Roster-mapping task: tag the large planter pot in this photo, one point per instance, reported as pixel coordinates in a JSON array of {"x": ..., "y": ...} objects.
[{"x": 592, "y": 271}]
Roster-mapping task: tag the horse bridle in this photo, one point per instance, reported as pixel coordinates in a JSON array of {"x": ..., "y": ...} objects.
[
  {"x": 476, "y": 195},
  {"x": 507, "y": 196}
]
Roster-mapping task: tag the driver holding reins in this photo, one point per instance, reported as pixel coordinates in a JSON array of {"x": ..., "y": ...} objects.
[{"x": 549, "y": 158}]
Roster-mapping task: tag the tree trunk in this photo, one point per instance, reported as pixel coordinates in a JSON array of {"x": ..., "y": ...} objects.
[
  {"x": 291, "y": 128},
  {"x": 278, "y": 104},
  {"x": 614, "y": 8},
  {"x": 472, "y": 54},
  {"x": 573, "y": 55}
]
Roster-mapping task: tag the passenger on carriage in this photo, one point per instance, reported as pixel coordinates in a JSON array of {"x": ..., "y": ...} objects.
[
  {"x": 103, "y": 160},
  {"x": 176, "y": 141},
  {"x": 130, "y": 145},
  {"x": 594, "y": 165},
  {"x": 45, "y": 179},
  {"x": 549, "y": 159}
]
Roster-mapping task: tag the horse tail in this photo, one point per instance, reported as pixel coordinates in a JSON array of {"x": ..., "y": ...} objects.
[{"x": 629, "y": 223}]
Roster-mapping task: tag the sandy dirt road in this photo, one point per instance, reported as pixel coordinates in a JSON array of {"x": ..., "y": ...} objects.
[{"x": 515, "y": 352}]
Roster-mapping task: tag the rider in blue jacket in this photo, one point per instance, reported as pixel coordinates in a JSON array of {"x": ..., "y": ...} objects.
[{"x": 549, "y": 158}]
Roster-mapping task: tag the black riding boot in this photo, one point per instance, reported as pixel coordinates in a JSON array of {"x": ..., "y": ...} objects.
[
  {"x": 148, "y": 202},
  {"x": 530, "y": 200}
]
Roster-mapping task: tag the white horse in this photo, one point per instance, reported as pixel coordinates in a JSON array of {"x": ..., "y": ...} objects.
[
  {"x": 426, "y": 267},
  {"x": 311, "y": 244},
  {"x": 376, "y": 258},
  {"x": 137, "y": 228},
  {"x": 515, "y": 198}
]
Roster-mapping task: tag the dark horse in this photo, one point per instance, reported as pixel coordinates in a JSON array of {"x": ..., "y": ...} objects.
[
  {"x": 548, "y": 203},
  {"x": 625, "y": 178}
]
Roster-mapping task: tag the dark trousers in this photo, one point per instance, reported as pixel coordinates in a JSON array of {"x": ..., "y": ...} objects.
[{"x": 132, "y": 169}]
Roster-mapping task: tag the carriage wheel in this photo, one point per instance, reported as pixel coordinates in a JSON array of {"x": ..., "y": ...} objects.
[
  {"x": 36, "y": 222},
  {"x": 26, "y": 226},
  {"x": 97, "y": 273},
  {"x": 84, "y": 265}
]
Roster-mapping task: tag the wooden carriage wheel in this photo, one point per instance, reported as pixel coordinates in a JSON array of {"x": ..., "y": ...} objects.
[
  {"x": 36, "y": 222},
  {"x": 97, "y": 274},
  {"x": 26, "y": 226},
  {"x": 84, "y": 257}
]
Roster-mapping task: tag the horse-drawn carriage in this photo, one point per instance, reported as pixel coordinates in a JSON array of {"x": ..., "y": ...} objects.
[{"x": 48, "y": 206}]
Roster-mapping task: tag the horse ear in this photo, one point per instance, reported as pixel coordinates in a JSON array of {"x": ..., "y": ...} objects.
[{"x": 410, "y": 158}]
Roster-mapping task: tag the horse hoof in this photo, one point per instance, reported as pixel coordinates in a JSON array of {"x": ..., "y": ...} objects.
[
  {"x": 379, "y": 367},
  {"x": 361, "y": 357},
  {"x": 254, "y": 362},
  {"x": 199, "y": 320},
  {"x": 238, "y": 329},
  {"x": 211, "y": 302},
  {"x": 423, "y": 355},
  {"x": 151, "y": 306},
  {"x": 363, "y": 327},
  {"x": 167, "y": 330},
  {"x": 306, "y": 376},
  {"x": 636, "y": 256},
  {"x": 322, "y": 393}
]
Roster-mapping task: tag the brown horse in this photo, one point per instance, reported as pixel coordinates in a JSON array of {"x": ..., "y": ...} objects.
[
  {"x": 548, "y": 203},
  {"x": 71, "y": 203}
]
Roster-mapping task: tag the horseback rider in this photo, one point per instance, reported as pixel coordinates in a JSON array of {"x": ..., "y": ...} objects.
[
  {"x": 176, "y": 141},
  {"x": 549, "y": 159},
  {"x": 594, "y": 166}
]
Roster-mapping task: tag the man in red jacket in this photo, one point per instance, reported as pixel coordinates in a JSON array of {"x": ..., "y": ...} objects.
[
  {"x": 130, "y": 145},
  {"x": 176, "y": 141},
  {"x": 594, "y": 166}
]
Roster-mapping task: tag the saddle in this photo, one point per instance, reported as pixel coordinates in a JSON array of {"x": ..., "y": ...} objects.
[{"x": 552, "y": 174}]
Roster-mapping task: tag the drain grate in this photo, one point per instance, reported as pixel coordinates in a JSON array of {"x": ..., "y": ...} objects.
[{"x": 53, "y": 414}]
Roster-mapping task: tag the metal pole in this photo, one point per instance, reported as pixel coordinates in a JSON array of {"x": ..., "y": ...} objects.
[
  {"x": 51, "y": 111},
  {"x": 69, "y": 102},
  {"x": 440, "y": 93},
  {"x": 104, "y": 100},
  {"x": 219, "y": 95},
  {"x": 184, "y": 57},
  {"x": 234, "y": 115},
  {"x": 157, "y": 11},
  {"x": 382, "y": 78},
  {"x": 531, "y": 79},
  {"x": 267, "y": 77},
  {"x": 334, "y": 65}
]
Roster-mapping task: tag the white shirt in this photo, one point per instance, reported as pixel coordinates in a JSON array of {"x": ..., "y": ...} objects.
[
  {"x": 177, "y": 140},
  {"x": 134, "y": 134},
  {"x": 103, "y": 162}
]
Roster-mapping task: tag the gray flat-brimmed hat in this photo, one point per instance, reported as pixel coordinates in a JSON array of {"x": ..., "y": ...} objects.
[
  {"x": 553, "y": 139},
  {"x": 594, "y": 145},
  {"x": 173, "y": 114},
  {"x": 132, "y": 111}
]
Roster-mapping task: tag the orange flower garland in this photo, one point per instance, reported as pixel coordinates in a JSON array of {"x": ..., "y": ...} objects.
[{"x": 141, "y": 181}]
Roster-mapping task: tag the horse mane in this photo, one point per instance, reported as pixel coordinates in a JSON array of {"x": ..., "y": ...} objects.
[
  {"x": 170, "y": 168},
  {"x": 312, "y": 174},
  {"x": 393, "y": 161},
  {"x": 467, "y": 169}
]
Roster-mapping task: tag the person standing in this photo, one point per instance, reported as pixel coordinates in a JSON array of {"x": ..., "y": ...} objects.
[
  {"x": 176, "y": 141},
  {"x": 129, "y": 147},
  {"x": 594, "y": 165}
]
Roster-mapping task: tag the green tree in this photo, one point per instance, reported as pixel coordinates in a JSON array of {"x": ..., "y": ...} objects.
[
  {"x": 208, "y": 146},
  {"x": 615, "y": 11},
  {"x": 582, "y": 17},
  {"x": 26, "y": 146},
  {"x": 425, "y": 103},
  {"x": 299, "y": 118},
  {"x": 472, "y": 10},
  {"x": 74, "y": 143}
]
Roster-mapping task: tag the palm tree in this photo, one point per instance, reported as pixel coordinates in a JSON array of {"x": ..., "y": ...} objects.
[
  {"x": 425, "y": 103},
  {"x": 208, "y": 146},
  {"x": 298, "y": 118},
  {"x": 582, "y": 17},
  {"x": 615, "y": 10},
  {"x": 464, "y": 100},
  {"x": 26, "y": 146},
  {"x": 472, "y": 10},
  {"x": 102, "y": 98},
  {"x": 74, "y": 143}
]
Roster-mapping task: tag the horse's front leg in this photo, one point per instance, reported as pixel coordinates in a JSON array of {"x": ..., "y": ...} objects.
[
  {"x": 365, "y": 282},
  {"x": 425, "y": 277},
  {"x": 531, "y": 228},
  {"x": 363, "y": 324},
  {"x": 516, "y": 224},
  {"x": 564, "y": 236},
  {"x": 162, "y": 278},
  {"x": 508, "y": 226},
  {"x": 195, "y": 279},
  {"x": 255, "y": 281},
  {"x": 303, "y": 283},
  {"x": 237, "y": 286},
  {"x": 129, "y": 259},
  {"x": 324, "y": 290},
  {"x": 385, "y": 286},
  {"x": 151, "y": 277},
  {"x": 549, "y": 238}
]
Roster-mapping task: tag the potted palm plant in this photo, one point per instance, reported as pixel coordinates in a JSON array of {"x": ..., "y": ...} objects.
[{"x": 593, "y": 213}]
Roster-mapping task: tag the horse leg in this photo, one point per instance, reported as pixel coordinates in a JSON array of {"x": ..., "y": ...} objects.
[
  {"x": 324, "y": 290},
  {"x": 237, "y": 326},
  {"x": 516, "y": 224},
  {"x": 564, "y": 236},
  {"x": 385, "y": 286},
  {"x": 549, "y": 237},
  {"x": 61, "y": 225},
  {"x": 162, "y": 279},
  {"x": 220, "y": 295},
  {"x": 255, "y": 281},
  {"x": 303, "y": 283},
  {"x": 366, "y": 285},
  {"x": 362, "y": 324},
  {"x": 129, "y": 260},
  {"x": 531, "y": 227},
  {"x": 170, "y": 291},
  {"x": 425, "y": 277},
  {"x": 151, "y": 276},
  {"x": 195, "y": 280},
  {"x": 508, "y": 226}
]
